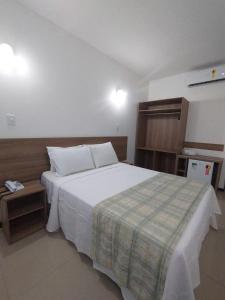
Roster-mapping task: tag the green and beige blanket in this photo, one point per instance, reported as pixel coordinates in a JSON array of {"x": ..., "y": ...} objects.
[{"x": 136, "y": 231}]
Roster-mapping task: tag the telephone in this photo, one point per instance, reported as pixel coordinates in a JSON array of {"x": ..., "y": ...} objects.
[{"x": 13, "y": 186}]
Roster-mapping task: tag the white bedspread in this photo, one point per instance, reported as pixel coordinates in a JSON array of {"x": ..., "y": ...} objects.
[{"x": 73, "y": 197}]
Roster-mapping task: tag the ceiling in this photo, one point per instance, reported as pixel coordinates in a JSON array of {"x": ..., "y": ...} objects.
[{"x": 153, "y": 38}]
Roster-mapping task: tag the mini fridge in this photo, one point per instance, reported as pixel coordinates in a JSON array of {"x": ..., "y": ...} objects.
[{"x": 200, "y": 170}]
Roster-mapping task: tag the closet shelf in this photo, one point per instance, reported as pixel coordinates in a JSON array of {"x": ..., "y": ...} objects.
[
  {"x": 158, "y": 150},
  {"x": 160, "y": 111},
  {"x": 163, "y": 115},
  {"x": 25, "y": 210}
]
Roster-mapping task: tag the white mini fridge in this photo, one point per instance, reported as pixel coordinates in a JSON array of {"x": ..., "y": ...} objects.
[{"x": 200, "y": 170}]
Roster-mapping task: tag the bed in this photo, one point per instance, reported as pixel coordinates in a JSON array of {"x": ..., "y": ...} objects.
[{"x": 73, "y": 198}]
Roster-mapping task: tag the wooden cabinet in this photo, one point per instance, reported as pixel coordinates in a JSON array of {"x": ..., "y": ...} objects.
[
  {"x": 161, "y": 128},
  {"x": 23, "y": 212}
]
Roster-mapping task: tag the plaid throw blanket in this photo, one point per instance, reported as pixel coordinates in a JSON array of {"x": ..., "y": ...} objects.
[{"x": 136, "y": 231}]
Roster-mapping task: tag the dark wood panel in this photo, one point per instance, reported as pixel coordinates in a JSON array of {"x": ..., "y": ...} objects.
[
  {"x": 205, "y": 146},
  {"x": 161, "y": 133},
  {"x": 161, "y": 130},
  {"x": 165, "y": 162},
  {"x": 26, "y": 159},
  {"x": 164, "y": 130},
  {"x": 171, "y": 102},
  {"x": 141, "y": 127},
  {"x": 183, "y": 124}
]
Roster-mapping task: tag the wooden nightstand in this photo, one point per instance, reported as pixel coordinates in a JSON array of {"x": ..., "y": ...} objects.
[{"x": 23, "y": 212}]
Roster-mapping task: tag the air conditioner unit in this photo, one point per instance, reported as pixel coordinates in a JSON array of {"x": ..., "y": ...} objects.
[{"x": 207, "y": 76}]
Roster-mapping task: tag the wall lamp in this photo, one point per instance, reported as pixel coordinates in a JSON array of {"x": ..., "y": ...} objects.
[
  {"x": 118, "y": 97},
  {"x": 10, "y": 63}
]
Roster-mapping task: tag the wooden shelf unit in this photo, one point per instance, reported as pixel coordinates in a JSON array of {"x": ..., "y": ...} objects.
[
  {"x": 24, "y": 211},
  {"x": 157, "y": 150},
  {"x": 182, "y": 166},
  {"x": 161, "y": 129}
]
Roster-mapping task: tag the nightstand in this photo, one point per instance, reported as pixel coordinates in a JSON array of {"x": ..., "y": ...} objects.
[{"x": 24, "y": 211}]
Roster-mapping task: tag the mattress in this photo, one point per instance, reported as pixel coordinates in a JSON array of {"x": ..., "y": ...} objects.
[{"x": 73, "y": 198}]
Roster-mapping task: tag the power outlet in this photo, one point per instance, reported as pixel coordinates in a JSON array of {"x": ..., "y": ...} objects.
[{"x": 11, "y": 119}]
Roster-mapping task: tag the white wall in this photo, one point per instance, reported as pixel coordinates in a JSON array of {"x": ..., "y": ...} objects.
[
  {"x": 66, "y": 92},
  {"x": 206, "y": 118}
]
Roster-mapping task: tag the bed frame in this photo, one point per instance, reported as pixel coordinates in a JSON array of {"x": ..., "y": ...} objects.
[{"x": 26, "y": 159}]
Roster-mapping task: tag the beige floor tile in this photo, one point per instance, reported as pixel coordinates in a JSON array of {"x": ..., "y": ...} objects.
[
  {"x": 3, "y": 289},
  {"x": 221, "y": 223},
  {"x": 23, "y": 272},
  {"x": 76, "y": 279},
  {"x": 221, "y": 218},
  {"x": 221, "y": 195},
  {"x": 209, "y": 290},
  {"x": 34, "y": 260},
  {"x": 212, "y": 257},
  {"x": 199, "y": 293},
  {"x": 6, "y": 249},
  {"x": 56, "y": 249}
]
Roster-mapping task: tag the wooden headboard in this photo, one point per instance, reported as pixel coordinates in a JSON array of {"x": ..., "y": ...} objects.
[{"x": 26, "y": 159}]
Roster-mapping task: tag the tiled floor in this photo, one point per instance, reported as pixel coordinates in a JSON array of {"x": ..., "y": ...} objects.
[
  {"x": 212, "y": 261},
  {"x": 47, "y": 267}
]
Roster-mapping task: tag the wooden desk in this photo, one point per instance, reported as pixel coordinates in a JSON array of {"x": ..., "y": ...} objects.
[{"x": 182, "y": 166}]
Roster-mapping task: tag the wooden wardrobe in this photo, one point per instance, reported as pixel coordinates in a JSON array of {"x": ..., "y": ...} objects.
[{"x": 161, "y": 128}]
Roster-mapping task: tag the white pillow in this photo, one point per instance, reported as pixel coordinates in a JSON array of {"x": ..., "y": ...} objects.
[
  {"x": 50, "y": 151},
  {"x": 103, "y": 154},
  {"x": 71, "y": 160}
]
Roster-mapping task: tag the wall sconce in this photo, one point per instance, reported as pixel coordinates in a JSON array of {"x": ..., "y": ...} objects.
[
  {"x": 118, "y": 97},
  {"x": 11, "y": 63},
  {"x": 6, "y": 59}
]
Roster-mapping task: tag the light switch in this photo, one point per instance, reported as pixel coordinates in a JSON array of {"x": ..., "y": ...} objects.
[{"x": 11, "y": 119}]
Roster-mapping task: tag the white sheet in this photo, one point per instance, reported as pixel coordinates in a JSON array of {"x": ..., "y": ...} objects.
[{"x": 73, "y": 198}]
